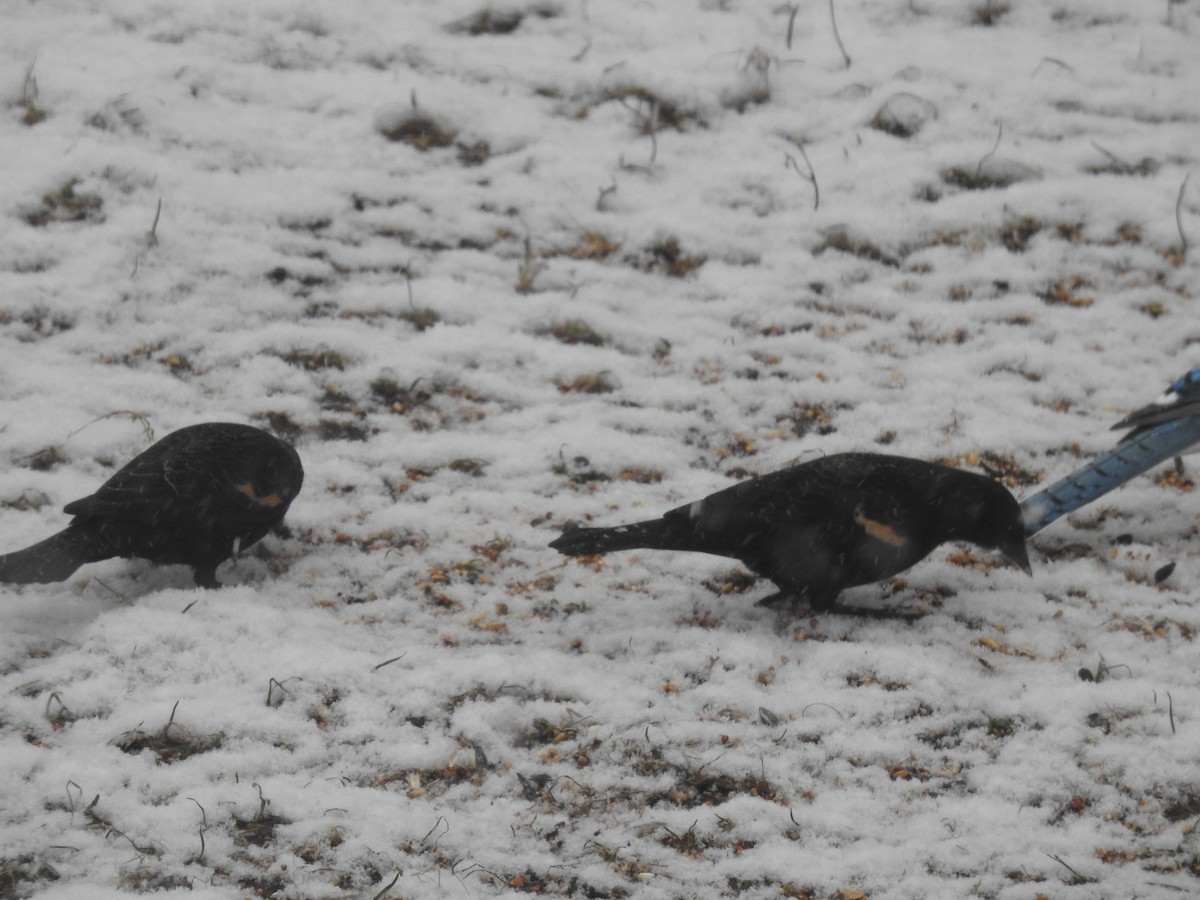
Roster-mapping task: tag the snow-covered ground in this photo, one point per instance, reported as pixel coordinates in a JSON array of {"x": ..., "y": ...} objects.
[{"x": 497, "y": 267}]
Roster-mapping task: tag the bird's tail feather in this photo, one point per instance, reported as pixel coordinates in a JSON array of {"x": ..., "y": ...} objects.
[
  {"x": 1127, "y": 460},
  {"x": 53, "y": 559},
  {"x": 653, "y": 535}
]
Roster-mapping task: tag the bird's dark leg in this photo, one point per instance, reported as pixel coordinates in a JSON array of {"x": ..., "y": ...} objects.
[
  {"x": 876, "y": 612},
  {"x": 206, "y": 577},
  {"x": 784, "y": 600},
  {"x": 777, "y": 601}
]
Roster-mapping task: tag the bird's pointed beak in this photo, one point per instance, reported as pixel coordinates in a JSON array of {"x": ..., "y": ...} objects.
[{"x": 1016, "y": 552}]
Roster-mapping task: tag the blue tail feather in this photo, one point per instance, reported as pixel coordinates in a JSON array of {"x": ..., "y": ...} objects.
[{"x": 1124, "y": 462}]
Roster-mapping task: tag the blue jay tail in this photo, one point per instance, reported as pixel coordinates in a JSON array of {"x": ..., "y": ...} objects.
[{"x": 1123, "y": 463}]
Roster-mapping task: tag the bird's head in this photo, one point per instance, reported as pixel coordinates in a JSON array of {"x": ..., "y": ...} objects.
[
  {"x": 985, "y": 513},
  {"x": 271, "y": 480}
]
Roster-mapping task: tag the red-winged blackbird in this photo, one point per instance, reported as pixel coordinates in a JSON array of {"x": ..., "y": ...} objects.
[
  {"x": 826, "y": 525},
  {"x": 195, "y": 498}
]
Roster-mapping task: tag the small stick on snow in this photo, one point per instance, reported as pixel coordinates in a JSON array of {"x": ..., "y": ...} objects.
[
  {"x": 152, "y": 234},
  {"x": 811, "y": 177},
  {"x": 992, "y": 152},
  {"x": 1183, "y": 241},
  {"x": 1057, "y": 62},
  {"x": 837, "y": 37},
  {"x": 653, "y": 131},
  {"x": 1079, "y": 879},
  {"x": 604, "y": 194}
]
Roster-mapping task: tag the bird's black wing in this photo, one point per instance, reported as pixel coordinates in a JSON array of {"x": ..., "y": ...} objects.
[
  {"x": 756, "y": 504},
  {"x": 868, "y": 491},
  {"x": 1181, "y": 399},
  {"x": 814, "y": 518},
  {"x": 156, "y": 488}
]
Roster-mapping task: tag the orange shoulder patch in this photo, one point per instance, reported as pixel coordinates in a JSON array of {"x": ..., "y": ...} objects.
[
  {"x": 879, "y": 530},
  {"x": 271, "y": 500}
]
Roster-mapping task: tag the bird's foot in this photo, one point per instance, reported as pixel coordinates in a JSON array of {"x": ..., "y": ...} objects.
[
  {"x": 777, "y": 600},
  {"x": 781, "y": 602},
  {"x": 877, "y": 612},
  {"x": 206, "y": 577}
]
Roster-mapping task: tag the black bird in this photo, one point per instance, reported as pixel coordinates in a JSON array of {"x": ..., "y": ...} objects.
[
  {"x": 195, "y": 498},
  {"x": 826, "y": 525}
]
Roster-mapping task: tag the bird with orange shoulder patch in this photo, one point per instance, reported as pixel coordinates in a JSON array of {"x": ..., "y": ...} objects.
[
  {"x": 836, "y": 522},
  {"x": 196, "y": 498}
]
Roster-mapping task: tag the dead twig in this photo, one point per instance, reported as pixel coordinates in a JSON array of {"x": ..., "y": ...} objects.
[
  {"x": 1183, "y": 241},
  {"x": 811, "y": 177},
  {"x": 29, "y": 86},
  {"x": 837, "y": 37},
  {"x": 95, "y": 818},
  {"x": 136, "y": 416},
  {"x": 1078, "y": 879},
  {"x": 271, "y": 686},
  {"x": 992, "y": 152},
  {"x": 203, "y": 827},
  {"x": 604, "y": 194},
  {"x": 387, "y": 887},
  {"x": 152, "y": 234},
  {"x": 649, "y": 124},
  {"x": 805, "y": 710},
  {"x": 528, "y": 270},
  {"x": 1054, "y": 61}
]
